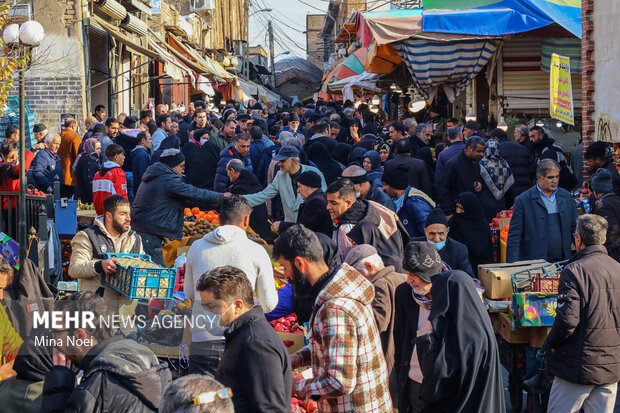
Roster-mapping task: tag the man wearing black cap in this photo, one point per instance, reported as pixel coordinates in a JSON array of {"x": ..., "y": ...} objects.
[
  {"x": 443, "y": 336},
  {"x": 285, "y": 183},
  {"x": 418, "y": 172},
  {"x": 158, "y": 208},
  {"x": 607, "y": 205},
  {"x": 364, "y": 189},
  {"x": 40, "y": 132},
  {"x": 312, "y": 212},
  {"x": 452, "y": 253},
  {"x": 412, "y": 205},
  {"x": 597, "y": 157},
  {"x": 293, "y": 125},
  {"x": 243, "y": 120}
]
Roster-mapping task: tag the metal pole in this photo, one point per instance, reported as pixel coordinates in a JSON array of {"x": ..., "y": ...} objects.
[
  {"x": 22, "y": 235},
  {"x": 246, "y": 19},
  {"x": 273, "y": 58}
]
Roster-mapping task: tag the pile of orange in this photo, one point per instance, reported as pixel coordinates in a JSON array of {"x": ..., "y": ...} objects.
[{"x": 210, "y": 216}]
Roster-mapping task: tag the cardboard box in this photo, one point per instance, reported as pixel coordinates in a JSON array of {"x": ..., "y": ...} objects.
[
  {"x": 496, "y": 277},
  {"x": 533, "y": 309},
  {"x": 512, "y": 334},
  {"x": 297, "y": 340},
  {"x": 502, "y": 222},
  {"x": 538, "y": 335}
]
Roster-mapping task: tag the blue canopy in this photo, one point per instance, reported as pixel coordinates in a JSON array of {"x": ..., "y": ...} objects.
[{"x": 499, "y": 17}]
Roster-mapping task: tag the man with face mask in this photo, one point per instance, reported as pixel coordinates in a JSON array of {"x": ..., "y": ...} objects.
[
  {"x": 445, "y": 345},
  {"x": 543, "y": 219},
  {"x": 226, "y": 245},
  {"x": 255, "y": 364},
  {"x": 452, "y": 253},
  {"x": 111, "y": 232}
]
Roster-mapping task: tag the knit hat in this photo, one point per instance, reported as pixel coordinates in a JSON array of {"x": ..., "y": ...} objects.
[
  {"x": 396, "y": 177},
  {"x": 422, "y": 259},
  {"x": 601, "y": 181},
  {"x": 310, "y": 178},
  {"x": 172, "y": 157},
  {"x": 293, "y": 117},
  {"x": 436, "y": 216},
  {"x": 359, "y": 253},
  {"x": 39, "y": 127}
]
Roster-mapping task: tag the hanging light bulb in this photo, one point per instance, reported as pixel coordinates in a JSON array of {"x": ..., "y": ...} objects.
[
  {"x": 417, "y": 102},
  {"x": 411, "y": 91},
  {"x": 559, "y": 124},
  {"x": 402, "y": 94},
  {"x": 393, "y": 86},
  {"x": 357, "y": 103},
  {"x": 471, "y": 116},
  {"x": 502, "y": 124},
  {"x": 375, "y": 100},
  {"x": 374, "y": 109},
  {"x": 540, "y": 123}
]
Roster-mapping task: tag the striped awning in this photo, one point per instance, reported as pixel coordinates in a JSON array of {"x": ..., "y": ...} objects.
[
  {"x": 564, "y": 46},
  {"x": 451, "y": 65}
]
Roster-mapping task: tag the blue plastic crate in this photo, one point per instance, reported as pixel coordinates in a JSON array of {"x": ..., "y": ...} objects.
[{"x": 140, "y": 282}]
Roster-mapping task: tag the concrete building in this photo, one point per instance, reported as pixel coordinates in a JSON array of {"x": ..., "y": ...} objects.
[
  {"x": 297, "y": 77},
  {"x": 315, "y": 47}
]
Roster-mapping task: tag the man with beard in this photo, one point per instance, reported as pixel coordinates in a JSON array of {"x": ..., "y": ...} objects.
[
  {"x": 223, "y": 138},
  {"x": 110, "y": 233},
  {"x": 445, "y": 345}
]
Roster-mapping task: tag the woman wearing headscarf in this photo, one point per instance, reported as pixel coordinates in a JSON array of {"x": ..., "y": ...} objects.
[
  {"x": 85, "y": 167},
  {"x": 470, "y": 227},
  {"x": 319, "y": 154},
  {"x": 391, "y": 252},
  {"x": 371, "y": 162},
  {"x": 300, "y": 298},
  {"x": 355, "y": 158},
  {"x": 385, "y": 153},
  {"x": 497, "y": 178},
  {"x": 353, "y": 134}
]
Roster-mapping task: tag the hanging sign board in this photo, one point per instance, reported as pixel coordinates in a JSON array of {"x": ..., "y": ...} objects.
[{"x": 561, "y": 90}]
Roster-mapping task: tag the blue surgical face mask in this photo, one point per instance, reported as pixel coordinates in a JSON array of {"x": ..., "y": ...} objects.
[{"x": 438, "y": 245}]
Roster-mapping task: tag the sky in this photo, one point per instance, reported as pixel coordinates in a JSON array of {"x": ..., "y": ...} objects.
[{"x": 289, "y": 21}]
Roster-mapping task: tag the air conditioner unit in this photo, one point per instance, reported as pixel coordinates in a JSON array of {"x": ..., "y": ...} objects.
[{"x": 195, "y": 5}]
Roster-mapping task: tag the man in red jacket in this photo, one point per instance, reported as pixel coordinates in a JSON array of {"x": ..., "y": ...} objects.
[{"x": 111, "y": 178}]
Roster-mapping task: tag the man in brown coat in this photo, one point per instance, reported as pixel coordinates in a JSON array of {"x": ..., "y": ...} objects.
[
  {"x": 68, "y": 152},
  {"x": 365, "y": 259}
]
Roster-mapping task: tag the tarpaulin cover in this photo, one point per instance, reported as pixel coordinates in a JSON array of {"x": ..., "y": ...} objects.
[
  {"x": 352, "y": 65},
  {"x": 388, "y": 26},
  {"x": 451, "y": 65},
  {"x": 382, "y": 59},
  {"x": 499, "y": 17}
]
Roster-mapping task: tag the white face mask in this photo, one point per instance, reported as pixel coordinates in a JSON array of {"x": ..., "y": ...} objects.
[
  {"x": 214, "y": 327},
  {"x": 358, "y": 195}
]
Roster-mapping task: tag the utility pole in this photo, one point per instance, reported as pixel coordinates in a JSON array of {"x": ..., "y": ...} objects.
[
  {"x": 246, "y": 19},
  {"x": 271, "y": 54}
]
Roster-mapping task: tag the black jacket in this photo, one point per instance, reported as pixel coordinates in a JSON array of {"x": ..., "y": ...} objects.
[
  {"x": 158, "y": 206},
  {"x": 247, "y": 183},
  {"x": 418, "y": 172},
  {"x": 313, "y": 214},
  {"x": 608, "y": 206},
  {"x": 459, "y": 176},
  {"x": 128, "y": 143},
  {"x": 200, "y": 163},
  {"x": 454, "y": 254},
  {"x": 406, "y": 312},
  {"x": 416, "y": 145},
  {"x": 585, "y": 337},
  {"x": 221, "y": 181},
  {"x": 376, "y": 194},
  {"x": 85, "y": 171},
  {"x": 118, "y": 373},
  {"x": 256, "y": 365},
  {"x": 521, "y": 162}
]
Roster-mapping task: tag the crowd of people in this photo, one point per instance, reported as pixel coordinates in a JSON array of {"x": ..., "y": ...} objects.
[{"x": 379, "y": 229}]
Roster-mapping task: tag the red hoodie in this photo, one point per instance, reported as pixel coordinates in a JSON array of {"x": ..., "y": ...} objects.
[
  {"x": 108, "y": 181},
  {"x": 9, "y": 178}
]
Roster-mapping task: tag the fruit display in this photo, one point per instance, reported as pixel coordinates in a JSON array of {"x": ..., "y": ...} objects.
[
  {"x": 85, "y": 207},
  {"x": 201, "y": 228},
  {"x": 209, "y": 216},
  {"x": 288, "y": 324},
  {"x": 500, "y": 215},
  {"x": 35, "y": 192},
  {"x": 300, "y": 406}
]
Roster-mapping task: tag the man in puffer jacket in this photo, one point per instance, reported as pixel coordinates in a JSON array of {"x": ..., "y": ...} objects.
[
  {"x": 119, "y": 374},
  {"x": 585, "y": 336},
  {"x": 158, "y": 208},
  {"x": 239, "y": 149}
]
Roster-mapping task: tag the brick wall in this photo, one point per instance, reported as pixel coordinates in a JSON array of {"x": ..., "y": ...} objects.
[
  {"x": 587, "y": 78},
  {"x": 49, "y": 97}
]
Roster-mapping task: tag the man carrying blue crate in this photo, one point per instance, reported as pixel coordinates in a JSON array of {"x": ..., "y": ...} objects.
[{"x": 110, "y": 233}]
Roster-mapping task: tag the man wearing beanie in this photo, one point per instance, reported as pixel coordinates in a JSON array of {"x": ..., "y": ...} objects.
[
  {"x": 452, "y": 253},
  {"x": 596, "y": 156},
  {"x": 412, "y": 205},
  {"x": 158, "y": 208},
  {"x": 443, "y": 336},
  {"x": 312, "y": 212},
  {"x": 607, "y": 205}
]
